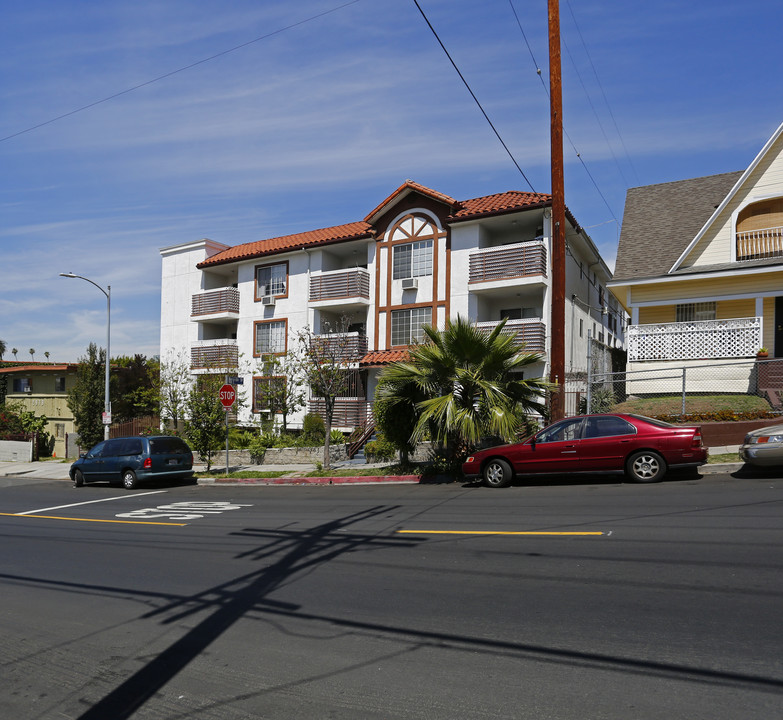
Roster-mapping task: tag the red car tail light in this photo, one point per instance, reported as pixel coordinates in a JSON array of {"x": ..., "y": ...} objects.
[
  {"x": 147, "y": 463},
  {"x": 696, "y": 438}
]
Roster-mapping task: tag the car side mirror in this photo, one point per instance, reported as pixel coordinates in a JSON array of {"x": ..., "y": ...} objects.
[
  {"x": 82, "y": 456},
  {"x": 533, "y": 443}
]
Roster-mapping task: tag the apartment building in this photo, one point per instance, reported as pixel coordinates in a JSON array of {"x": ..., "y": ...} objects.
[{"x": 419, "y": 257}]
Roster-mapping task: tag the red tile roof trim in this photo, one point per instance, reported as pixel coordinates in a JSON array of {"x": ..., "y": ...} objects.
[{"x": 377, "y": 358}]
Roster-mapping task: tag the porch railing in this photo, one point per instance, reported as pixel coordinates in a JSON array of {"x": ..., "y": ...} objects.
[
  {"x": 225, "y": 300},
  {"x": 348, "y": 412},
  {"x": 508, "y": 261},
  {"x": 759, "y": 244},
  {"x": 340, "y": 346},
  {"x": 340, "y": 284},
  {"x": 737, "y": 337},
  {"x": 530, "y": 333},
  {"x": 214, "y": 354}
]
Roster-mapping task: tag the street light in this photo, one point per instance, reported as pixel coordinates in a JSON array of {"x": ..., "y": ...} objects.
[{"x": 106, "y": 402}]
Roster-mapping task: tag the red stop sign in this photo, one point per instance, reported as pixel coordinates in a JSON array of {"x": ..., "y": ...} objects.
[{"x": 227, "y": 396}]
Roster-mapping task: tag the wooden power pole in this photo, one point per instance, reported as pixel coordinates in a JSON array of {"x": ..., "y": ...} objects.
[{"x": 557, "y": 319}]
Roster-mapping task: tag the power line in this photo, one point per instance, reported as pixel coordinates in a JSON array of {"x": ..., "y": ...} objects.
[
  {"x": 179, "y": 70},
  {"x": 473, "y": 95}
]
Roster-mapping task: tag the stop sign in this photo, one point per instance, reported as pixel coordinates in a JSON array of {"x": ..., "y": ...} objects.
[{"x": 227, "y": 396}]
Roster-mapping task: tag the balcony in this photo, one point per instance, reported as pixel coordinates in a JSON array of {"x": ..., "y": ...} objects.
[
  {"x": 215, "y": 302},
  {"x": 702, "y": 339},
  {"x": 520, "y": 260},
  {"x": 760, "y": 244},
  {"x": 530, "y": 333},
  {"x": 346, "y": 347},
  {"x": 341, "y": 287},
  {"x": 214, "y": 354}
]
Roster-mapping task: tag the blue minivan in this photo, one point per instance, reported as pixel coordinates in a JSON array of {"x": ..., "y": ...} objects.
[{"x": 131, "y": 460}]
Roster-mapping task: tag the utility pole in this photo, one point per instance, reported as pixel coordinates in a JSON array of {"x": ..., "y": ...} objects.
[{"x": 557, "y": 320}]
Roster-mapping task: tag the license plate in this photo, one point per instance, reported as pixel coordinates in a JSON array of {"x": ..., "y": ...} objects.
[{"x": 172, "y": 462}]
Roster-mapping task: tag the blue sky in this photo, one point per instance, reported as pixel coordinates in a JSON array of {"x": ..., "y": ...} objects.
[{"x": 314, "y": 125}]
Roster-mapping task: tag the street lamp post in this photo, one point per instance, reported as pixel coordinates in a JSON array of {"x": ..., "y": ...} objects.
[{"x": 106, "y": 402}]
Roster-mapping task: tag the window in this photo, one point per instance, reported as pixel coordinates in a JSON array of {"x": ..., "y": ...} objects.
[
  {"x": 608, "y": 426},
  {"x": 59, "y": 384},
  {"x": 567, "y": 429},
  {"x": 23, "y": 385},
  {"x": 270, "y": 337},
  {"x": 268, "y": 393},
  {"x": 271, "y": 280},
  {"x": 59, "y": 430},
  {"x": 689, "y": 312},
  {"x": 406, "y": 325},
  {"x": 412, "y": 260}
]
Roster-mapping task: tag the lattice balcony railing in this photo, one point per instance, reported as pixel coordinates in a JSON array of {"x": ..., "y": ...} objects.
[
  {"x": 340, "y": 346},
  {"x": 340, "y": 284},
  {"x": 531, "y": 333},
  {"x": 508, "y": 261},
  {"x": 225, "y": 300},
  {"x": 758, "y": 244},
  {"x": 737, "y": 337}
]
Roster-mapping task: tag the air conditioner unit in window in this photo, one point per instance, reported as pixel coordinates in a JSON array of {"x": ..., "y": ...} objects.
[
  {"x": 410, "y": 283},
  {"x": 268, "y": 300}
]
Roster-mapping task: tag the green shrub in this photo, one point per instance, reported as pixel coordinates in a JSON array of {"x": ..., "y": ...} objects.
[
  {"x": 602, "y": 400},
  {"x": 313, "y": 430},
  {"x": 379, "y": 450},
  {"x": 336, "y": 437}
]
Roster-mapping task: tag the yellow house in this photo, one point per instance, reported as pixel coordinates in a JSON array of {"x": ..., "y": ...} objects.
[
  {"x": 42, "y": 388},
  {"x": 700, "y": 272}
]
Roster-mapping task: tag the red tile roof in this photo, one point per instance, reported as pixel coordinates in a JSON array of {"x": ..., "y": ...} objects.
[
  {"x": 324, "y": 236},
  {"x": 376, "y": 358},
  {"x": 460, "y": 211},
  {"x": 33, "y": 367}
]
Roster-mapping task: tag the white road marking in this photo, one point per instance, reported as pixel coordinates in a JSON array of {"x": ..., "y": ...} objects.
[{"x": 90, "y": 502}]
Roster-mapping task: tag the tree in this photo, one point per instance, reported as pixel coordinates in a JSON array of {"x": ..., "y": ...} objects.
[
  {"x": 206, "y": 418},
  {"x": 326, "y": 363},
  {"x": 280, "y": 389},
  {"x": 13, "y": 352},
  {"x": 396, "y": 420},
  {"x": 46, "y": 355},
  {"x": 132, "y": 389},
  {"x": 2, "y": 349},
  {"x": 172, "y": 389},
  {"x": 32, "y": 353},
  {"x": 471, "y": 384},
  {"x": 86, "y": 397}
]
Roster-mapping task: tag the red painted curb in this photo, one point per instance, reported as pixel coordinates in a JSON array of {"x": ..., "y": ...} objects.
[{"x": 352, "y": 480}]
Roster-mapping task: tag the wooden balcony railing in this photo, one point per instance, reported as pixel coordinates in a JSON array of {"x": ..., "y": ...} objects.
[
  {"x": 759, "y": 244},
  {"x": 349, "y": 413},
  {"x": 340, "y": 346},
  {"x": 225, "y": 300},
  {"x": 214, "y": 354},
  {"x": 529, "y": 332},
  {"x": 340, "y": 284},
  {"x": 698, "y": 339},
  {"x": 508, "y": 261}
]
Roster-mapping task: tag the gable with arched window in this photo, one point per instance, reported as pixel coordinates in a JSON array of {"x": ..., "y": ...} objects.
[{"x": 760, "y": 230}]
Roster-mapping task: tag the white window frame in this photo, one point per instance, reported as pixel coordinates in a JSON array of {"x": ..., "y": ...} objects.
[
  {"x": 406, "y": 325},
  {"x": 412, "y": 260}
]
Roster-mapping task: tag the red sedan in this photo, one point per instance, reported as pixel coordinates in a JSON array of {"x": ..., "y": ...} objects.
[{"x": 641, "y": 447}]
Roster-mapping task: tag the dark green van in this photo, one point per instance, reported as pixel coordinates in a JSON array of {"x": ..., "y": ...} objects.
[{"x": 131, "y": 460}]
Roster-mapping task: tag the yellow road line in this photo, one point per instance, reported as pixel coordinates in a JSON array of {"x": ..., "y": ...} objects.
[
  {"x": 492, "y": 532},
  {"x": 122, "y": 522}
]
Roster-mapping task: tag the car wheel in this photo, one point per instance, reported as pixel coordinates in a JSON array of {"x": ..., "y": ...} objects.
[
  {"x": 645, "y": 467},
  {"x": 129, "y": 479},
  {"x": 78, "y": 478},
  {"x": 497, "y": 473}
]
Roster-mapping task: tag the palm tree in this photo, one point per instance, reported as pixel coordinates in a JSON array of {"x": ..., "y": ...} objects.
[
  {"x": 32, "y": 353},
  {"x": 2, "y": 349},
  {"x": 46, "y": 355},
  {"x": 466, "y": 385},
  {"x": 13, "y": 352}
]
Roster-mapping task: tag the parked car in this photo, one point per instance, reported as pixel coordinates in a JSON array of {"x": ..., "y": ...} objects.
[
  {"x": 641, "y": 447},
  {"x": 131, "y": 460},
  {"x": 763, "y": 447}
]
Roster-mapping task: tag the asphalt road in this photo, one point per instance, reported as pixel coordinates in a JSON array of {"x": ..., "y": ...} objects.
[{"x": 409, "y": 601}]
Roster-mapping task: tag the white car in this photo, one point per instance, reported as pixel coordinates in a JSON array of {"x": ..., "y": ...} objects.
[{"x": 763, "y": 447}]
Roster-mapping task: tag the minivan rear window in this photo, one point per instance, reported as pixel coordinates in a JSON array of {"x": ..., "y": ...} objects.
[{"x": 167, "y": 446}]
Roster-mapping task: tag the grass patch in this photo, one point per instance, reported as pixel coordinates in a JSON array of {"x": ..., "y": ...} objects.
[
  {"x": 694, "y": 405},
  {"x": 363, "y": 472},
  {"x": 723, "y": 458}
]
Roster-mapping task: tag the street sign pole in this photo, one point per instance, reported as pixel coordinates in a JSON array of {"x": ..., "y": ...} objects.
[
  {"x": 227, "y": 396},
  {"x": 226, "y": 409}
]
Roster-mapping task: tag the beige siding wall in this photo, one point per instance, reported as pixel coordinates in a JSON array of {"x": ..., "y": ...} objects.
[
  {"x": 741, "y": 284},
  {"x": 768, "y": 330},
  {"x": 765, "y": 180},
  {"x": 727, "y": 309},
  {"x": 658, "y": 314}
]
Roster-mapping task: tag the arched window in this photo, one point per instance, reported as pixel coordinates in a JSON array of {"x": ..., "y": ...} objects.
[{"x": 760, "y": 230}]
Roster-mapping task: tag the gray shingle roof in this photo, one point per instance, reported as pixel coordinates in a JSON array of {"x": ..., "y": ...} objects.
[{"x": 660, "y": 220}]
